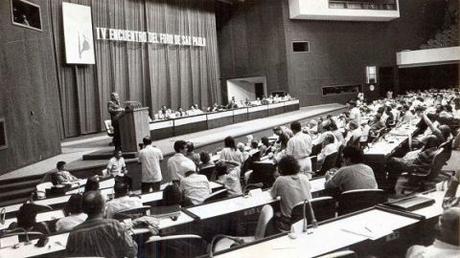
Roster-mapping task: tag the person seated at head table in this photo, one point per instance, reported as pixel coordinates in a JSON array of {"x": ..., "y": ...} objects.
[
  {"x": 353, "y": 174},
  {"x": 98, "y": 236},
  {"x": 180, "y": 112},
  {"x": 122, "y": 200},
  {"x": 195, "y": 188},
  {"x": 73, "y": 214},
  {"x": 420, "y": 159},
  {"x": 230, "y": 178},
  {"x": 205, "y": 160},
  {"x": 117, "y": 165},
  {"x": 447, "y": 241},
  {"x": 329, "y": 146},
  {"x": 292, "y": 186},
  {"x": 178, "y": 164}
]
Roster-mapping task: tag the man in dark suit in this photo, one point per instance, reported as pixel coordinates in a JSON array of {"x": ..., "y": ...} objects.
[{"x": 115, "y": 111}]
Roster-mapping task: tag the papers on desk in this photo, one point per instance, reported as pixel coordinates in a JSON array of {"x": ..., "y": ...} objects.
[{"x": 372, "y": 232}]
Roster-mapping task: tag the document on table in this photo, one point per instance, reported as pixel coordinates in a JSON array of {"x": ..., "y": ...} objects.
[{"x": 372, "y": 232}]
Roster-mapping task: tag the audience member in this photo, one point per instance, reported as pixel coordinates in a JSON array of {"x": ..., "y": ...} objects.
[
  {"x": 62, "y": 176},
  {"x": 205, "y": 160},
  {"x": 447, "y": 241},
  {"x": 292, "y": 186},
  {"x": 73, "y": 214},
  {"x": 178, "y": 164},
  {"x": 353, "y": 175},
  {"x": 98, "y": 236},
  {"x": 230, "y": 179},
  {"x": 92, "y": 184},
  {"x": 299, "y": 146},
  {"x": 191, "y": 154},
  {"x": 230, "y": 154},
  {"x": 117, "y": 165},
  {"x": 328, "y": 147},
  {"x": 195, "y": 187},
  {"x": 172, "y": 195},
  {"x": 150, "y": 158},
  {"x": 122, "y": 200}
]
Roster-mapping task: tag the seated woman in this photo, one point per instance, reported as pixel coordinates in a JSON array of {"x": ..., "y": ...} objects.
[
  {"x": 62, "y": 176},
  {"x": 205, "y": 160},
  {"x": 292, "y": 187},
  {"x": 73, "y": 214},
  {"x": 230, "y": 179},
  {"x": 230, "y": 154}
]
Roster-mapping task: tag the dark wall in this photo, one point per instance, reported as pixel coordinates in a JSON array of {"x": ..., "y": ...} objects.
[
  {"x": 28, "y": 91},
  {"x": 439, "y": 76},
  {"x": 340, "y": 50},
  {"x": 251, "y": 42}
]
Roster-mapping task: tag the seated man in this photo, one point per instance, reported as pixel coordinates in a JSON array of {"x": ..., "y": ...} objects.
[
  {"x": 353, "y": 175},
  {"x": 62, "y": 176},
  {"x": 117, "y": 165},
  {"x": 98, "y": 236},
  {"x": 74, "y": 214},
  {"x": 195, "y": 187},
  {"x": 122, "y": 200},
  {"x": 447, "y": 241},
  {"x": 419, "y": 159}
]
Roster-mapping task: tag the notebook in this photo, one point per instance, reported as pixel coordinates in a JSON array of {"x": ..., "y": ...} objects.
[{"x": 413, "y": 203}]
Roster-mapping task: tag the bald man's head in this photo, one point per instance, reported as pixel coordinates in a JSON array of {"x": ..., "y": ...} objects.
[{"x": 93, "y": 203}]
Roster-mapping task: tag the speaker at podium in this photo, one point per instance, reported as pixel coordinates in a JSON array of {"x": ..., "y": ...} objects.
[{"x": 134, "y": 126}]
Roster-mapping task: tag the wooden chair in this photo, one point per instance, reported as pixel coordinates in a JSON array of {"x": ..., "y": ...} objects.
[
  {"x": 324, "y": 208},
  {"x": 355, "y": 200}
]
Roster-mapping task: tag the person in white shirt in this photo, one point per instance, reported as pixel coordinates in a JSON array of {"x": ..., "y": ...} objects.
[
  {"x": 329, "y": 147},
  {"x": 122, "y": 200},
  {"x": 117, "y": 165},
  {"x": 230, "y": 154},
  {"x": 230, "y": 179},
  {"x": 178, "y": 164},
  {"x": 195, "y": 187},
  {"x": 150, "y": 158},
  {"x": 74, "y": 214},
  {"x": 355, "y": 114},
  {"x": 299, "y": 146},
  {"x": 447, "y": 242}
]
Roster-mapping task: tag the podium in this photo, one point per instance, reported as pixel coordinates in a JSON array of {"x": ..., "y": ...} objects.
[{"x": 134, "y": 126}]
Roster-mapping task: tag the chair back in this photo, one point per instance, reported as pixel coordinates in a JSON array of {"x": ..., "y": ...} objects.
[
  {"x": 221, "y": 194},
  {"x": 265, "y": 217},
  {"x": 41, "y": 189},
  {"x": 355, "y": 200},
  {"x": 438, "y": 162},
  {"x": 323, "y": 207},
  {"x": 262, "y": 173},
  {"x": 175, "y": 246},
  {"x": 329, "y": 162},
  {"x": 209, "y": 172},
  {"x": 339, "y": 157},
  {"x": 316, "y": 149},
  {"x": 108, "y": 127},
  {"x": 132, "y": 213}
]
